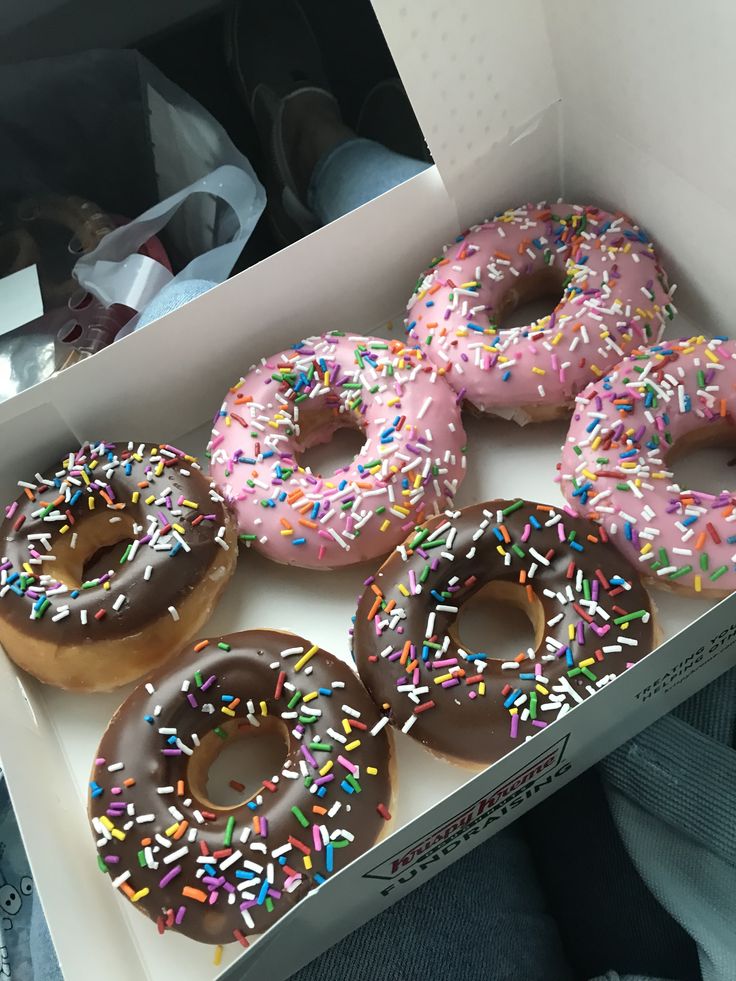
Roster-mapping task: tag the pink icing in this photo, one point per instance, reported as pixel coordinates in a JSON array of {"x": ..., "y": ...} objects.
[
  {"x": 410, "y": 466},
  {"x": 614, "y": 461},
  {"x": 616, "y": 297}
]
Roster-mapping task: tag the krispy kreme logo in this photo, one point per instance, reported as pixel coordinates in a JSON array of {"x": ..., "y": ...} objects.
[{"x": 463, "y": 827}]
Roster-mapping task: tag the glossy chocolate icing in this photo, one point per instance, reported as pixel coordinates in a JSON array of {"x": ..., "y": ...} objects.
[
  {"x": 459, "y": 703},
  {"x": 157, "y": 735},
  {"x": 176, "y": 540}
]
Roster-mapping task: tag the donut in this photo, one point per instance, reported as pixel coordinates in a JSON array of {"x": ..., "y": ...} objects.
[
  {"x": 591, "y": 616},
  {"x": 222, "y": 874},
  {"x": 601, "y": 271},
  {"x": 110, "y": 562},
  {"x": 409, "y": 467},
  {"x": 627, "y": 430},
  {"x": 52, "y": 231}
]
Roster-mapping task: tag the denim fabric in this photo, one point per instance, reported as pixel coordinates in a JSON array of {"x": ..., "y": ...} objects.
[
  {"x": 26, "y": 952},
  {"x": 672, "y": 793},
  {"x": 605, "y": 913},
  {"x": 172, "y": 297},
  {"x": 482, "y": 919},
  {"x": 354, "y": 172}
]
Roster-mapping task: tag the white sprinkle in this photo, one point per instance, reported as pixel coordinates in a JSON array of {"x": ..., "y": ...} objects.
[
  {"x": 430, "y": 625},
  {"x": 230, "y": 860},
  {"x": 425, "y": 406},
  {"x": 173, "y": 856},
  {"x": 564, "y": 683},
  {"x": 379, "y": 725},
  {"x": 339, "y": 540}
]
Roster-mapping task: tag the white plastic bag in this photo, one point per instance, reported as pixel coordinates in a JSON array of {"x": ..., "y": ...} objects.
[
  {"x": 210, "y": 202},
  {"x": 107, "y": 131},
  {"x": 115, "y": 273}
]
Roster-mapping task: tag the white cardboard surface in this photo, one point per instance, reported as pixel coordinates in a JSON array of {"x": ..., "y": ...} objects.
[
  {"x": 518, "y": 101},
  {"x": 58, "y": 747},
  {"x": 20, "y": 299},
  {"x": 481, "y": 78},
  {"x": 643, "y": 94}
]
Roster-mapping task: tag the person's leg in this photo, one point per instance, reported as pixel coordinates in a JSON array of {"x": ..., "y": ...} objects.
[
  {"x": 606, "y": 916},
  {"x": 333, "y": 170},
  {"x": 353, "y": 172},
  {"x": 316, "y": 167},
  {"x": 672, "y": 794},
  {"x": 482, "y": 919}
]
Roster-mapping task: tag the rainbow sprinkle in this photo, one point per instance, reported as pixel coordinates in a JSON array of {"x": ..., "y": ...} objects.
[
  {"x": 592, "y": 622},
  {"x": 616, "y": 462}
]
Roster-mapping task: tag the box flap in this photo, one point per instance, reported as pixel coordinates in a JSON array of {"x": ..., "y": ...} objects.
[{"x": 482, "y": 80}]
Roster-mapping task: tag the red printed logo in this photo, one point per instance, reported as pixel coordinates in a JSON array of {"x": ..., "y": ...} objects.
[{"x": 469, "y": 822}]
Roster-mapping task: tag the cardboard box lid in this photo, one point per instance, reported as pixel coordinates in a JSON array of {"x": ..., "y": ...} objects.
[{"x": 625, "y": 107}]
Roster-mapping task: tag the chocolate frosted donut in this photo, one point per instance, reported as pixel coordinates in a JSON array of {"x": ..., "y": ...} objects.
[
  {"x": 109, "y": 562},
  {"x": 591, "y": 615},
  {"x": 219, "y": 874}
]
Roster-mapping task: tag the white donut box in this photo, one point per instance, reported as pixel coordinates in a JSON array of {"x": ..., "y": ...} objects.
[{"x": 623, "y": 105}]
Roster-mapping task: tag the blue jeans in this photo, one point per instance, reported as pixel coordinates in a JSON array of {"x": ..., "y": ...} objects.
[
  {"x": 26, "y": 951},
  {"x": 350, "y": 174},
  {"x": 355, "y": 172}
]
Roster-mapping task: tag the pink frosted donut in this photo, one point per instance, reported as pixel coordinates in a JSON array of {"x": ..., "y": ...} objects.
[
  {"x": 409, "y": 467},
  {"x": 625, "y": 432},
  {"x": 613, "y": 295}
]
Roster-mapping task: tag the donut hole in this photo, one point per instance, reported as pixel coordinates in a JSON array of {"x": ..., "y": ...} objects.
[
  {"x": 104, "y": 558},
  {"x": 226, "y": 773},
  {"x": 705, "y": 459},
  {"x": 101, "y": 542},
  {"x": 530, "y": 298},
  {"x": 327, "y": 451},
  {"x": 499, "y": 620}
]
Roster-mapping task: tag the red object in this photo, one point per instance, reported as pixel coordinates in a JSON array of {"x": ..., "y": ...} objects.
[{"x": 51, "y": 232}]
